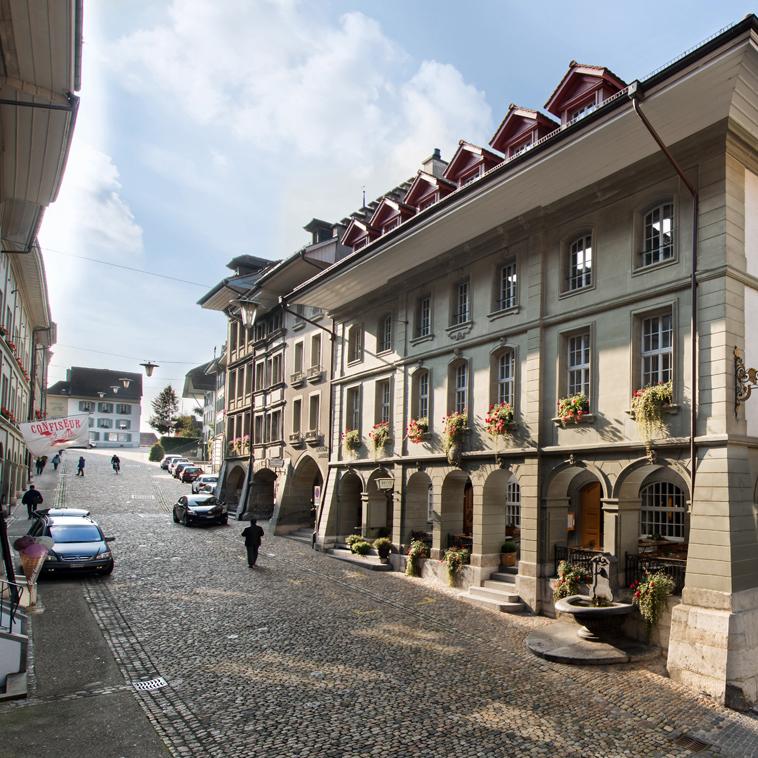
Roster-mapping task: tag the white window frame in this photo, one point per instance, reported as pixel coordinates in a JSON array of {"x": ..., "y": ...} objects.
[
  {"x": 314, "y": 423},
  {"x": 578, "y": 364},
  {"x": 580, "y": 263},
  {"x": 297, "y": 415},
  {"x": 663, "y": 511},
  {"x": 513, "y": 504},
  {"x": 353, "y": 408},
  {"x": 461, "y": 303},
  {"x": 461, "y": 388},
  {"x": 385, "y": 333},
  {"x": 424, "y": 316},
  {"x": 656, "y": 357},
  {"x": 422, "y": 394},
  {"x": 654, "y": 249},
  {"x": 507, "y": 296},
  {"x": 506, "y": 377}
]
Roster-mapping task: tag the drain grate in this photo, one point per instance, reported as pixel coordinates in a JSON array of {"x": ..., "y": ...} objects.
[
  {"x": 148, "y": 685},
  {"x": 143, "y": 497},
  {"x": 693, "y": 744}
]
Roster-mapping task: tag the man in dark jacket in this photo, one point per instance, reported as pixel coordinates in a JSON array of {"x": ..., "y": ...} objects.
[
  {"x": 252, "y": 535},
  {"x": 31, "y": 499}
]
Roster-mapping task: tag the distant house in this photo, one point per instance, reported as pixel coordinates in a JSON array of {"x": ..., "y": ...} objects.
[
  {"x": 111, "y": 398},
  {"x": 147, "y": 439}
]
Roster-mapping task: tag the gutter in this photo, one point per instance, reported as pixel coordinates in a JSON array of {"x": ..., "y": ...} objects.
[{"x": 634, "y": 95}]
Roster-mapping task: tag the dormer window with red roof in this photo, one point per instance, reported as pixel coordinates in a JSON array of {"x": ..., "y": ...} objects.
[
  {"x": 520, "y": 129},
  {"x": 426, "y": 190},
  {"x": 358, "y": 234},
  {"x": 389, "y": 214},
  {"x": 582, "y": 90},
  {"x": 469, "y": 163}
]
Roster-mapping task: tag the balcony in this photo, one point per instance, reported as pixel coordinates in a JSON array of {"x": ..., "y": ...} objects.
[
  {"x": 314, "y": 374},
  {"x": 313, "y": 437},
  {"x": 297, "y": 379},
  {"x": 296, "y": 439}
]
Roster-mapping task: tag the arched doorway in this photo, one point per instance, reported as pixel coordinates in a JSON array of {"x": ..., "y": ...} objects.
[
  {"x": 457, "y": 511},
  {"x": 419, "y": 509},
  {"x": 501, "y": 510},
  {"x": 303, "y": 494},
  {"x": 350, "y": 520},
  {"x": 379, "y": 507},
  {"x": 262, "y": 494},
  {"x": 233, "y": 487},
  {"x": 589, "y": 522}
]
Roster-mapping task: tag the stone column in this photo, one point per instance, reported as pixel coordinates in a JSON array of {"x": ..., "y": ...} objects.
[
  {"x": 364, "y": 514},
  {"x": 397, "y": 512},
  {"x": 557, "y": 534}
]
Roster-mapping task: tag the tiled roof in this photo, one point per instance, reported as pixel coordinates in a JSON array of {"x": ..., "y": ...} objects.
[{"x": 87, "y": 382}]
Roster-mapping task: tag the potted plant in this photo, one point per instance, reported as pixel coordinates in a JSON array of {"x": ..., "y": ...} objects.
[
  {"x": 455, "y": 427},
  {"x": 383, "y": 546},
  {"x": 351, "y": 440},
  {"x": 570, "y": 579},
  {"x": 499, "y": 420},
  {"x": 416, "y": 552},
  {"x": 508, "y": 551},
  {"x": 418, "y": 428},
  {"x": 573, "y": 408},
  {"x": 454, "y": 560},
  {"x": 650, "y": 596},
  {"x": 351, "y": 539},
  {"x": 379, "y": 436},
  {"x": 361, "y": 547},
  {"x": 648, "y": 405}
]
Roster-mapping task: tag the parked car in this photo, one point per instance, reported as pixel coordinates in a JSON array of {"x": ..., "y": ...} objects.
[
  {"x": 179, "y": 468},
  {"x": 169, "y": 459},
  {"x": 190, "y": 473},
  {"x": 79, "y": 545},
  {"x": 172, "y": 466},
  {"x": 199, "y": 509},
  {"x": 80, "y": 512},
  {"x": 205, "y": 483}
]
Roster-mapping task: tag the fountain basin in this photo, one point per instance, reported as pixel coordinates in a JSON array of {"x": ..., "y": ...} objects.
[{"x": 598, "y": 623}]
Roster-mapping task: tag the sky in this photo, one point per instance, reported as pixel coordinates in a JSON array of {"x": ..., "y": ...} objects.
[{"x": 212, "y": 129}]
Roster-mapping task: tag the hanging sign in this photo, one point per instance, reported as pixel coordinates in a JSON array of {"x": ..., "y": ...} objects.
[{"x": 48, "y": 436}]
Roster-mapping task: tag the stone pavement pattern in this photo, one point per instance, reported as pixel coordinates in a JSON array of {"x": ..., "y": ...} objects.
[{"x": 304, "y": 656}]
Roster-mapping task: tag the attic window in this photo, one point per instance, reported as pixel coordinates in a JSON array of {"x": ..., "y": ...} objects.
[
  {"x": 521, "y": 147},
  {"x": 428, "y": 202},
  {"x": 582, "y": 110},
  {"x": 360, "y": 243},
  {"x": 471, "y": 177},
  {"x": 391, "y": 224}
]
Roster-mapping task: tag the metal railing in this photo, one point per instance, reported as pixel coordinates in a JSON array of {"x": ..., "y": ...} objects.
[
  {"x": 636, "y": 566},
  {"x": 577, "y": 556},
  {"x": 460, "y": 542},
  {"x": 10, "y": 598}
]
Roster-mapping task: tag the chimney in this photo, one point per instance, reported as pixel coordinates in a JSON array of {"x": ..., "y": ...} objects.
[{"x": 434, "y": 164}]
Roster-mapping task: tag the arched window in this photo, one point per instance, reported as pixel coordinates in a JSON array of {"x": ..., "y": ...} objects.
[
  {"x": 658, "y": 234},
  {"x": 513, "y": 504},
  {"x": 662, "y": 511},
  {"x": 355, "y": 343},
  {"x": 503, "y": 382},
  {"x": 580, "y": 263},
  {"x": 421, "y": 387},
  {"x": 458, "y": 386}
]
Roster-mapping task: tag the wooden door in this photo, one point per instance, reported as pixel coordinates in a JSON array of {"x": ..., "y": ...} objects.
[
  {"x": 589, "y": 508},
  {"x": 468, "y": 509}
]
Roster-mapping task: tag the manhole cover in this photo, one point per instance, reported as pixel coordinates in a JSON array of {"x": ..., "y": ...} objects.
[
  {"x": 149, "y": 685},
  {"x": 692, "y": 744}
]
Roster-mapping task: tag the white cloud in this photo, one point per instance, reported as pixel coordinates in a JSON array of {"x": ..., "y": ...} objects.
[{"x": 336, "y": 103}]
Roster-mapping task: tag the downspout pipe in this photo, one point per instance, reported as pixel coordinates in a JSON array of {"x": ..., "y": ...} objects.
[{"x": 635, "y": 98}]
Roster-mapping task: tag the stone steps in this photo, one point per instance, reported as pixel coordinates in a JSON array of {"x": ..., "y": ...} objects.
[
  {"x": 370, "y": 562},
  {"x": 496, "y": 593},
  {"x": 305, "y": 535}
]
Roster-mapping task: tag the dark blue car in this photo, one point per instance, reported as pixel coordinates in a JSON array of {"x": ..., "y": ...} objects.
[{"x": 79, "y": 545}]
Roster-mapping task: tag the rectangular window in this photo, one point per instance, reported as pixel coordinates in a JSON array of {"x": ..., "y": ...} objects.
[
  {"x": 105, "y": 407},
  {"x": 316, "y": 351},
  {"x": 353, "y": 414},
  {"x": 5, "y": 391},
  {"x": 424, "y": 316},
  {"x": 656, "y": 355},
  {"x": 85, "y": 406},
  {"x": 658, "y": 234},
  {"x": 124, "y": 437},
  {"x": 520, "y": 147},
  {"x": 258, "y": 430},
  {"x": 580, "y": 263},
  {"x": 513, "y": 504},
  {"x": 259, "y": 331},
  {"x": 579, "y": 365},
  {"x": 423, "y": 395},
  {"x": 313, "y": 413},
  {"x": 105, "y": 423},
  {"x": 275, "y": 433},
  {"x": 430, "y": 504},
  {"x": 461, "y": 388},
  {"x": 260, "y": 376},
  {"x": 94, "y": 436},
  {"x": 468, "y": 178},
  {"x": 123, "y": 423},
  {"x": 385, "y": 333},
  {"x": 123, "y": 409},
  {"x": 298, "y": 357},
  {"x": 297, "y": 409},
  {"x": 508, "y": 286},
  {"x": 505, "y": 377},
  {"x": 355, "y": 343},
  {"x": 382, "y": 401},
  {"x": 249, "y": 378},
  {"x": 276, "y": 369},
  {"x": 428, "y": 202},
  {"x": 461, "y": 306}
]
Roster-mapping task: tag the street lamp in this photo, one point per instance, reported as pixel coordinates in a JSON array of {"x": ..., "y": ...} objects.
[
  {"x": 248, "y": 313},
  {"x": 115, "y": 389},
  {"x": 125, "y": 381},
  {"x": 102, "y": 394},
  {"x": 149, "y": 367}
]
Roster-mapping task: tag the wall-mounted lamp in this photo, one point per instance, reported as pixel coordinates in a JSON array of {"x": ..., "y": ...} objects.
[{"x": 248, "y": 313}]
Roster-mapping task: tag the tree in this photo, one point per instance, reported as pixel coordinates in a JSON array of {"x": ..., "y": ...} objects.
[
  {"x": 165, "y": 408},
  {"x": 187, "y": 426}
]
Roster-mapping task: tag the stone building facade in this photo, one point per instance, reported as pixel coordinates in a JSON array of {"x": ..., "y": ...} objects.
[{"x": 575, "y": 258}]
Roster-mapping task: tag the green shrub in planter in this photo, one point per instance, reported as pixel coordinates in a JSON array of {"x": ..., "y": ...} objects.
[
  {"x": 383, "y": 546},
  {"x": 351, "y": 539},
  {"x": 361, "y": 548},
  {"x": 509, "y": 546},
  {"x": 156, "y": 452}
]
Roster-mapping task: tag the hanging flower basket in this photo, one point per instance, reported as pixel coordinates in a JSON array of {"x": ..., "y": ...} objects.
[
  {"x": 418, "y": 429},
  {"x": 648, "y": 407},
  {"x": 499, "y": 420},
  {"x": 379, "y": 436},
  {"x": 572, "y": 409},
  {"x": 351, "y": 440}
]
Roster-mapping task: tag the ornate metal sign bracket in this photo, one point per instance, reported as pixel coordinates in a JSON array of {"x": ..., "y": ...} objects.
[{"x": 746, "y": 379}]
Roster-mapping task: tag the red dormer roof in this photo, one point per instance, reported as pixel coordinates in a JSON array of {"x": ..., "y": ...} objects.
[
  {"x": 518, "y": 124},
  {"x": 359, "y": 232},
  {"x": 467, "y": 158},
  {"x": 425, "y": 185},
  {"x": 579, "y": 84},
  {"x": 388, "y": 211}
]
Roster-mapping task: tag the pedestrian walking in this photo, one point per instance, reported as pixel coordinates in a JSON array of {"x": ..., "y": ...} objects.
[
  {"x": 43, "y": 463},
  {"x": 252, "y": 535},
  {"x": 56, "y": 461},
  {"x": 80, "y": 466},
  {"x": 38, "y": 466},
  {"x": 31, "y": 499}
]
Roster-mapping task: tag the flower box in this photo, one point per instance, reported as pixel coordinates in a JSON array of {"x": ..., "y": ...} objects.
[{"x": 313, "y": 437}]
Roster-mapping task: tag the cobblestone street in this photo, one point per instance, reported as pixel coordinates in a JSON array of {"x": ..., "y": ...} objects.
[{"x": 307, "y": 656}]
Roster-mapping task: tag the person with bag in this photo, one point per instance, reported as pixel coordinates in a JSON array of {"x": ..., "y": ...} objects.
[
  {"x": 252, "y": 535},
  {"x": 56, "y": 461},
  {"x": 80, "y": 466},
  {"x": 31, "y": 499}
]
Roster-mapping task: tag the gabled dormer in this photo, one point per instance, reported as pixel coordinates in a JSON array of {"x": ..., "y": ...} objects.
[
  {"x": 469, "y": 163},
  {"x": 427, "y": 189},
  {"x": 389, "y": 214},
  {"x": 520, "y": 129},
  {"x": 358, "y": 234},
  {"x": 581, "y": 90}
]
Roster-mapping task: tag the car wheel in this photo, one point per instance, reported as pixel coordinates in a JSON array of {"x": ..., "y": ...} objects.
[
  {"x": 186, "y": 521},
  {"x": 224, "y": 521},
  {"x": 176, "y": 520}
]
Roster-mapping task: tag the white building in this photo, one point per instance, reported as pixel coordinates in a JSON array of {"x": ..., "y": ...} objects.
[{"x": 112, "y": 398}]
